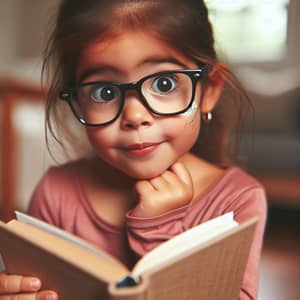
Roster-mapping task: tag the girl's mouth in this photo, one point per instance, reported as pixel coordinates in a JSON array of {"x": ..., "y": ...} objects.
[{"x": 141, "y": 149}]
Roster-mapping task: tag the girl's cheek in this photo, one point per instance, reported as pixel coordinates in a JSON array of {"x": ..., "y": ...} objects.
[
  {"x": 98, "y": 138},
  {"x": 186, "y": 128},
  {"x": 191, "y": 118},
  {"x": 191, "y": 111}
]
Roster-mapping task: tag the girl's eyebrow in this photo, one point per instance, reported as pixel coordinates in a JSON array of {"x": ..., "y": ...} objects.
[
  {"x": 94, "y": 70},
  {"x": 150, "y": 60},
  {"x": 162, "y": 60}
]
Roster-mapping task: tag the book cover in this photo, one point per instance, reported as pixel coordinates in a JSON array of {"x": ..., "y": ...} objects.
[{"x": 205, "y": 262}]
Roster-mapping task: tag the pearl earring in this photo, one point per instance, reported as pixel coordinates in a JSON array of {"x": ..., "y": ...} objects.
[{"x": 207, "y": 117}]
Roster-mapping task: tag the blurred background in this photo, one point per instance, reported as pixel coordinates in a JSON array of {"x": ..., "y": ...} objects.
[{"x": 258, "y": 38}]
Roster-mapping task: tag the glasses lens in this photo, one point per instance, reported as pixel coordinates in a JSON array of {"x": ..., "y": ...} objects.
[
  {"x": 168, "y": 93},
  {"x": 97, "y": 103}
]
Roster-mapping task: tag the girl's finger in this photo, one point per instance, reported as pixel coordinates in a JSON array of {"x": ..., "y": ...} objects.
[
  {"x": 16, "y": 284},
  {"x": 170, "y": 177},
  {"x": 143, "y": 187},
  {"x": 159, "y": 183},
  {"x": 44, "y": 295},
  {"x": 182, "y": 172}
]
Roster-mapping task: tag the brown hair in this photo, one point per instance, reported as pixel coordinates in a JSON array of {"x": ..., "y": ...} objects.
[{"x": 182, "y": 24}]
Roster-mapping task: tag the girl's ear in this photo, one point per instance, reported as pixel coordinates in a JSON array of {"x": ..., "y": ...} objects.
[{"x": 213, "y": 88}]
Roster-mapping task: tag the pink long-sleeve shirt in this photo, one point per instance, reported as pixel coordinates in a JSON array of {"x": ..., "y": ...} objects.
[{"x": 60, "y": 199}]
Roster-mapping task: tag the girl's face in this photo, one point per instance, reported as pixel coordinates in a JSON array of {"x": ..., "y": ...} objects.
[{"x": 139, "y": 143}]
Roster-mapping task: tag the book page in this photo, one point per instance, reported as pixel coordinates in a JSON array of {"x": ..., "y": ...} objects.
[
  {"x": 2, "y": 265},
  {"x": 24, "y": 218},
  {"x": 183, "y": 243},
  {"x": 31, "y": 249}
]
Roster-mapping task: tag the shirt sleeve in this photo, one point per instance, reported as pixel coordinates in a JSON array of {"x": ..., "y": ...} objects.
[
  {"x": 144, "y": 234},
  {"x": 43, "y": 204},
  {"x": 252, "y": 203}
]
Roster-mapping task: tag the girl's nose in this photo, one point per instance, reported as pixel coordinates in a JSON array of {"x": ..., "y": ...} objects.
[{"x": 135, "y": 114}]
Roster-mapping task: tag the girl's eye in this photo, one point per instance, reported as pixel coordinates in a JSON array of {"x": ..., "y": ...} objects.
[
  {"x": 104, "y": 93},
  {"x": 164, "y": 84}
]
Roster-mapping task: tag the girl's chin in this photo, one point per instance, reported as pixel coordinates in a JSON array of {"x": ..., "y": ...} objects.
[{"x": 144, "y": 174}]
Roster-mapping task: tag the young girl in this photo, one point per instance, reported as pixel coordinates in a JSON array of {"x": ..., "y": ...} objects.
[{"x": 143, "y": 79}]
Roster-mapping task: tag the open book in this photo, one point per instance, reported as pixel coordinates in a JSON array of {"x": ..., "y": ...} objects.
[{"x": 204, "y": 262}]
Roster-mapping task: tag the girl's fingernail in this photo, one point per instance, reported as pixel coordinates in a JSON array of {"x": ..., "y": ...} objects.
[
  {"x": 35, "y": 284},
  {"x": 50, "y": 297}
]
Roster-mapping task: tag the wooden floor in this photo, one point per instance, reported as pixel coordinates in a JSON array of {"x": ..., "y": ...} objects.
[{"x": 280, "y": 266}]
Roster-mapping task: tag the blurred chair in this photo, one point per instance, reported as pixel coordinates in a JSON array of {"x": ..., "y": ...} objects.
[
  {"x": 276, "y": 158},
  {"x": 12, "y": 93}
]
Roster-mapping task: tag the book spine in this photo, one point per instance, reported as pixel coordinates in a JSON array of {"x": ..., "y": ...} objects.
[
  {"x": 127, "y": 282},
  {"x": 127, "y": 297},
  {"x": 135, "y": 292}
]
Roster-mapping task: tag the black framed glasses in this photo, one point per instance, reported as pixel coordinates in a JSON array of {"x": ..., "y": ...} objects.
[{"x": 164, "y": 94}]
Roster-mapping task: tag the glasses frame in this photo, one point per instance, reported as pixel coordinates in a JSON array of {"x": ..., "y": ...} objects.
[{"x": 195, "y": 75}]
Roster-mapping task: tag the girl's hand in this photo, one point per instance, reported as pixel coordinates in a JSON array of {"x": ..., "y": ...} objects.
[
  {"x": 170, "y": 190},
  {"x": 15, "y": 287}
]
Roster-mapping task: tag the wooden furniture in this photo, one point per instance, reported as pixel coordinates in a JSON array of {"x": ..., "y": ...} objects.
[
  {"x": 12, "y": 92},
  {"x": 282, "y": 189}
]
